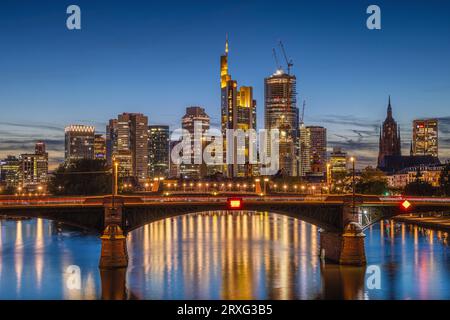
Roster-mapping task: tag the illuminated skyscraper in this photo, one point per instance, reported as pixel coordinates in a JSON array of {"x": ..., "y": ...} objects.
[
  {"x": 238, "y": 111},
  {"x": 281, "y": 112},
  {"x": 313, "y": 151},
  {"x": 79, "y": 142},
  {"x": 158, "y": 151},
  {"x": 195, "y": 116},
  {"x": 127, "y": 143},
  {"x": 425, "y": 137}
]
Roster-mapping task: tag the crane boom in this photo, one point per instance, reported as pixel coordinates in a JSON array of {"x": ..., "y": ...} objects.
[
  {"x": 276, "y": 59},
  {"x": 303, "y": 113},
  {"x": 289, "y": 63}
]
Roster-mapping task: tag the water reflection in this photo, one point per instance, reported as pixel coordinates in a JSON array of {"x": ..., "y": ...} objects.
[{"x": 221, "y": 256}]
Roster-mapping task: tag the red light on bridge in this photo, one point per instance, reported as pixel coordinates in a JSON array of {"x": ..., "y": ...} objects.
[
  {"x": 234, "y": 203},
  {"x": 406, "y": 204}
]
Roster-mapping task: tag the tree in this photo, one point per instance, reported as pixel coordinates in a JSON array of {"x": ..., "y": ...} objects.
[
  {"x": 372, "y": 181},
  {"x": 444, "y": 181},
  {"x": 419, "y": 188},
  {"x": 81, "y": 177}
]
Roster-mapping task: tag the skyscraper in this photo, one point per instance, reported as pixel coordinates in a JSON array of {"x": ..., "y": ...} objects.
[
  {"x": 158, "y": 151},
  {"x": 390, "y": 144},
  {"x": 238, "y": 112},
  {"x": 281, "y": 112},
  {"x": 313, "y": 151},
  {"x": 195, "y": 116},
  {"x": 425, "y": 137},
  {"x": 79, "y": 142},
  {"x": 127, "y": 143}
]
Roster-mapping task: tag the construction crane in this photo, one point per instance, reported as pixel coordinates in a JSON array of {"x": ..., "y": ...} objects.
[
  {"x": 289, "y": 63},
  {"x": 302, "y": 117},
  {"x": 278, "y": 66}
]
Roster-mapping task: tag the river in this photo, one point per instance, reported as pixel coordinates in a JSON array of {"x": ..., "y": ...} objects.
[{"x": 221, "y": 256}]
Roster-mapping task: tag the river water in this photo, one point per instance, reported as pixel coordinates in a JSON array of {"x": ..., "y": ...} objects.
[{"x": 221, "y": 256}]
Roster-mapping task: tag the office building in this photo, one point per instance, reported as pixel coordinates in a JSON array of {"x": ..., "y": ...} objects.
[
  {"x": 99, "y": 147},
  {"x": 425, "y": 137},
  {"x": 238, "y": 112},
  {"x": 127, "y": 143},
  {"x": 281, "y": 112},
  {"x": 195, "y": 117},
  {"x": 158, "y": 151},
  {"x": 313, "y": 151},
  {"x": 79, "y": 142}
]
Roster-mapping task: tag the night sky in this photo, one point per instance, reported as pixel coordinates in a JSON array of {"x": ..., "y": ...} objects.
[{"x": 158, "y": 57}]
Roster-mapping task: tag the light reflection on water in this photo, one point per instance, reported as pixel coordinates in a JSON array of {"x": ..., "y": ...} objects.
[{"x": 221, "y": 256}]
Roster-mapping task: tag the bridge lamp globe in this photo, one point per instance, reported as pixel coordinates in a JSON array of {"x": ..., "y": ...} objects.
[
  {"x": 266, "y": 179},
  {"x": 257, "y": 180}
]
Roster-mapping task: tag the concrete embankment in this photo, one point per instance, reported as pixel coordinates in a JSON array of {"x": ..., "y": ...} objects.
[{"x": 433, "y": 222}]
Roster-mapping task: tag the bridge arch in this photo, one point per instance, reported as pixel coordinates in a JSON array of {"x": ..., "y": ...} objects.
[{"x": 135, "y": 218}]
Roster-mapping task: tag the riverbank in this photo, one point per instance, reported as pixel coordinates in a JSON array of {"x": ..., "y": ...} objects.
[{"x": 440, "y": 223}]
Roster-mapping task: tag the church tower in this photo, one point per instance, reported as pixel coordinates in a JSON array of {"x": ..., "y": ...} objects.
[{"x": 390, "y": 144}]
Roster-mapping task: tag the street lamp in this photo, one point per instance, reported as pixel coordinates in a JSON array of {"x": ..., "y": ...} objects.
[
  {"x": 353, "y": 160},
  {"x": 265, "y": 182}
]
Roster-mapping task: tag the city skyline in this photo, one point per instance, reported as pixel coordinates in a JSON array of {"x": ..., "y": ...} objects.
[{"x": 337, "y": 97}]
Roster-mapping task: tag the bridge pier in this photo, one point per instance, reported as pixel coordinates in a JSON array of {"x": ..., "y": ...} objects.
[
  {"x": 114, "y": 243},
  {"x": 345, "y": 247}
]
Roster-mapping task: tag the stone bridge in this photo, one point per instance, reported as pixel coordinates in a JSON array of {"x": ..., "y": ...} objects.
[{"x": 342, "y": 219}]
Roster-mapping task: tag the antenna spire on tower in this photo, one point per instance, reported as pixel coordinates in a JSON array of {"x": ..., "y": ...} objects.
[{"x": 226, "y": 44}]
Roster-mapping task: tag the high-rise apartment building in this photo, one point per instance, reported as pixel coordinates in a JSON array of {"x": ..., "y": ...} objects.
[
  {"x": 127, "y": 143},
  {"x": 79, "y": 142},
  {"x": 313, "y": 151},
  {"x": 238, "y": 112},
  {"x": 425, "y": 137},
  {"x": 281, "y": 112},
  {"x": 158, "y": 151},
  {"x": 195, "y": 119}
]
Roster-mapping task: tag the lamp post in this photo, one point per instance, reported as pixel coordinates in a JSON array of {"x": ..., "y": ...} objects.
[
  {"x": 265, "y": 183},
  {"x": 329, "y": 176},
  {"x": 353, "y": 160}
]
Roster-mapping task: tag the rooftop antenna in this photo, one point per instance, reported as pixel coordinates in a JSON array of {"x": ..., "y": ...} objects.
[{"x": 289, "y": 63}]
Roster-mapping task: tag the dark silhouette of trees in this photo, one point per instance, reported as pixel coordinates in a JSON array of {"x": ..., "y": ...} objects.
[
  {"x": 419, "y": 187},
  {"x": 372, "y": 181},
  {"x": 444, "y": 180},
  {"x": 81, "y": 177}
]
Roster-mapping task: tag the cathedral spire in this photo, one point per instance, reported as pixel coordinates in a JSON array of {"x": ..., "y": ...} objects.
[{"x": 389, "y": 109}]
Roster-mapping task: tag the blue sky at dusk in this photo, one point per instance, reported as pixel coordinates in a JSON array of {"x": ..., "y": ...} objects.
[{"x": 158, "y": 57}]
